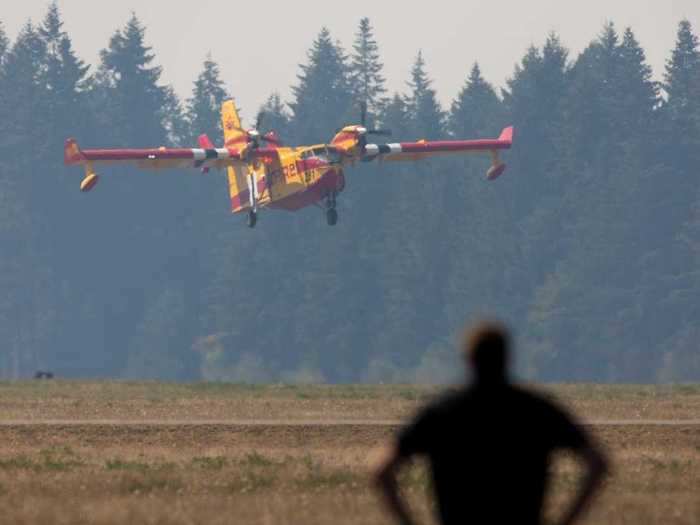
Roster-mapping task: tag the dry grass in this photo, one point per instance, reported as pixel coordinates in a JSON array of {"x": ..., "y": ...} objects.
[
  {"x": 41, "y": 400},
  {"x": 311, "y": 474}
]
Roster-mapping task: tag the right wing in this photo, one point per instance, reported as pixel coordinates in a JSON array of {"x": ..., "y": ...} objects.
[{"x": 412, "y": 151}]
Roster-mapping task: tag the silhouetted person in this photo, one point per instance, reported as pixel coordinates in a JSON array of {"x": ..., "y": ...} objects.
[{"x": 489, "y": 445}]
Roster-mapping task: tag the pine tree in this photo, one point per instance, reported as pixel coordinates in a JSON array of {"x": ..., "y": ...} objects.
[
  {"x": 25, "y": 310},
  {"x": 276, "y": 118},
  {"x": 611, "y": 197},
  {"x": 594, "y": 76},
  {"x": 204, "y": 107},
  {"x": 175, "y": 121},
  {"x": 476, "y": 221},
  {"x": 65, "y": 77},
  {"x": 24, "y": 100},
  {"x": 24, "y": 92},
  {"x": 4, "y": 43},
  {"x": 322, "y": 98},
  {"x": 366, "y": 69},
  {"x": 426, "y": 115},
  {"x": 407, "y": 315},
  {"x": 477, "y": 111},
  {"x": 634, "y": 79},
  {"x": 534, "y": 101},
  {"x": 136, "y": 110},
  {"x": 678, "y": 195},
  {"x": 130, "y": 89},
  {"x": 682, "y": 109},
  {"x": 395, "y": 116},
  {"x": 682, "y": 71}
]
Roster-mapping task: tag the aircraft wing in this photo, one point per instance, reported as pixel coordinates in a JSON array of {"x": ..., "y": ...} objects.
[
  {"x": 157, "y": 158},
  {"x": 411, "y": 151}
]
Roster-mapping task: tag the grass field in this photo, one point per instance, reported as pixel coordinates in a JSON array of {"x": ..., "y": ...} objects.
[{"x": 309, "y": 469}]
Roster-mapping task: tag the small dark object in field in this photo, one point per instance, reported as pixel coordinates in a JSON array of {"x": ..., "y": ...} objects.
[{"x": 43, "y": 375}]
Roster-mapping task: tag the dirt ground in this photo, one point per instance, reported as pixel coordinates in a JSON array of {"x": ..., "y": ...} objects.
[{"x": 294, "y": 472}]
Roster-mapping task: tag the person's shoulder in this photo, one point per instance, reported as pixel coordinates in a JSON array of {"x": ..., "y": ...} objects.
[
  {"x": 541, "y": 402},
  {"x": 451, "y": 399},
  {"x": 536, "y": 399}
]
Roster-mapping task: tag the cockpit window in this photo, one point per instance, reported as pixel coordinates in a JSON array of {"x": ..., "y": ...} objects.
[
  {"x": 333, "y": 156},
  {"x": 327, "y": 154}
]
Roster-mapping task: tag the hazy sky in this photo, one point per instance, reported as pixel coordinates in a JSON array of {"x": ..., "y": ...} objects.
[{"x": 260, "y": 44}]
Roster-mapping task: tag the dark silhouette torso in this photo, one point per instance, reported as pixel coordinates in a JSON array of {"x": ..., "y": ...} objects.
[{"x": 489, "y": 450}]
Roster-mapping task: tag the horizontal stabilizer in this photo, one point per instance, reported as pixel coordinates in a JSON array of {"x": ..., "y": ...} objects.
[{"x": 205, "y": 142}]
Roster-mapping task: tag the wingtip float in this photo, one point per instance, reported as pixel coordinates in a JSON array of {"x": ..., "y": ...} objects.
[
  {"x": 497, "y": 166},
  {"x": 72, "y": 156},
  {"x": 262, "y": 173}
]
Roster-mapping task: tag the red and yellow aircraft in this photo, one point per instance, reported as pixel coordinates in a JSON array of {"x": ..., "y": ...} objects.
[{"x": 278, "y": 177}]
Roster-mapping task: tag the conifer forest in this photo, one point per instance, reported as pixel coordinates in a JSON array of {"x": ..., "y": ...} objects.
[{"x": 588, "y": 247}]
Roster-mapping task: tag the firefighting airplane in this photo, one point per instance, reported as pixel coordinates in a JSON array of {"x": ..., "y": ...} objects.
[{"x": 262, "y": 173}]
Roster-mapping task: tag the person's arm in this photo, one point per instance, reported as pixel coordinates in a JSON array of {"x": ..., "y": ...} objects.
[
  {"x": 596, "y": 468},
  {"x": 385, "y": 481}
]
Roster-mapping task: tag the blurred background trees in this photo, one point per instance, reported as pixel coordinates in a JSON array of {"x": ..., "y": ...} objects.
[{"x": 589, "y": 246}]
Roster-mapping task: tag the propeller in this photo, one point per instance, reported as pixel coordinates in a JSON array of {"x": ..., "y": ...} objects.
[
  {"x": 256, "y": 135},
  {"x": 372, "y": 131}
]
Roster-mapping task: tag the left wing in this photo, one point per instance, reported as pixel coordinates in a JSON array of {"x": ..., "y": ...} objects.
[
  {"x": 410, "y": 151},
  {"x": 157, "y": 158}
]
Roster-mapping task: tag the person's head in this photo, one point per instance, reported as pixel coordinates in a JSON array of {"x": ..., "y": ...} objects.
[{"x": 486, "y": 349}]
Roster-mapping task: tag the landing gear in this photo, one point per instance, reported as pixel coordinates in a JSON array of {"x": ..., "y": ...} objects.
[
  {"x": 332, "y": 217},
  {"x": 252, "y": 219},
  {"x": 331, "y": 212}
]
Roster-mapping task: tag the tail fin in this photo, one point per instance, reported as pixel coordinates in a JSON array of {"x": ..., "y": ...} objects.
[
  {"x": 234, "y": 134},
  {"x": 205, "y": 142}
]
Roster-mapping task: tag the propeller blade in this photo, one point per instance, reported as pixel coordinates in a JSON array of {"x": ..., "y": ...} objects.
[
  {"x": 363, "y": 114},
  {"x": 380, "y": 132},
  {"x": 271, "y": 137}
]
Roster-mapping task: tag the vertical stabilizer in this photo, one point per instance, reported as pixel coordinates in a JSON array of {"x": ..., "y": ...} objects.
[
  {"x": 234, "y": 134},
  {"x": 235, "y": 137}
]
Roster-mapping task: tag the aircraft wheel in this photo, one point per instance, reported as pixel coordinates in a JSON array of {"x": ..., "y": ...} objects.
[
  {"x": 252, "y": 219},
  {"x": 332, "y": 217}
]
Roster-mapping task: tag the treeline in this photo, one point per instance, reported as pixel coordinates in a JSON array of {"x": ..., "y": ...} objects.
[{"x": 589, "y": 246}]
